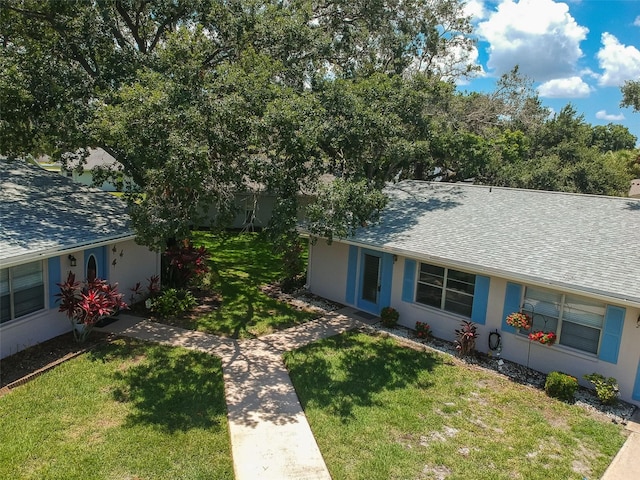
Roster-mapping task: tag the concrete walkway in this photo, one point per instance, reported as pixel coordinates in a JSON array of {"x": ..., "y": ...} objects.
[
  {"x": 626, "y": 465},
  {"x": 270, "y": 436}
]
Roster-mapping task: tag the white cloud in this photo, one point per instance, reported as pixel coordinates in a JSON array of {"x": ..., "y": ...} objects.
[
  {"x": 538, "y": 35},
  {"x": 475, "y": 9},
  {"x": 619, "y": 62},
  {"x": 571, "y": 87},
  {"x": 636, "y": 22},
  {"x": 453, "y": 62},
  {"x": 603, "y": 115}
]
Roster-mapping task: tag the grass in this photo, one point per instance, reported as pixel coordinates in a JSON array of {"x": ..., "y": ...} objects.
[
  {"x": 126, "y": 410},
  {"x": 382, "y": 411},
  {"x": 241, "y": 263}
]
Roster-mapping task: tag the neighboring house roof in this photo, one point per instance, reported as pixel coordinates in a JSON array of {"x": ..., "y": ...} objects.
[
  {"x": 41, "y": 211},
  {"x": 98, "y": 157},
  {"x": 584, "y": 243}
]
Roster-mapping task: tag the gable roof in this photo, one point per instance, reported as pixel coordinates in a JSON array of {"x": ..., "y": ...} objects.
[
  {"x": 582, "y": 243},
  {"x": 43, "y": 212}
]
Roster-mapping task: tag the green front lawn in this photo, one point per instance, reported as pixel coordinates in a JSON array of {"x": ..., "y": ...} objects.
[
  {"x": 241, "y": 263},
  {"x": 127, "y": 410},
  {"x": 382, "y": 411}
]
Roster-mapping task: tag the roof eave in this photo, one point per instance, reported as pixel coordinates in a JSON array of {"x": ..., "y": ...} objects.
[
  {"x": 603, "y": 295},
  {"x": 52, "y": 252}
]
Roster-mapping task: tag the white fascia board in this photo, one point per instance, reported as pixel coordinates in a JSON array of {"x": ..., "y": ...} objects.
[{"x": 68, "y": 249}]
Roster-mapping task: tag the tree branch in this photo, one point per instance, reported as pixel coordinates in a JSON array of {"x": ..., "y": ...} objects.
[{"x": 133, "y": 28}]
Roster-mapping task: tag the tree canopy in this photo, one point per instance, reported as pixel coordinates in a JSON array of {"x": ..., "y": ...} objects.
[{"x": 198, "y": 99}]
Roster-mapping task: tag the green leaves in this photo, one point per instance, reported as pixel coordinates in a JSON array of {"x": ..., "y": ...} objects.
[{"x": 342, "y": 207}]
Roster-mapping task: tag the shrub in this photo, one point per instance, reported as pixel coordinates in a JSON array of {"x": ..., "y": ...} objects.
[
  {"x": 186, "y": 264},
  {"x": 87, "y": 303},
  {"x": 560, "y": 385},
  {"x": 389, "y": 317},
  {"x": 606, "y": 388},
  {"x": 139, "y": 294},
  {"x": 466, "y": 338},
  {"x": 423, "y": 330},
  {"x": 173, "y": 302}
]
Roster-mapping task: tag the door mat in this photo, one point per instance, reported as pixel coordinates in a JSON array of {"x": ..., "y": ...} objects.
[
  {"x": 365, "y": 315},
  {"x": 103, "y": 322}
]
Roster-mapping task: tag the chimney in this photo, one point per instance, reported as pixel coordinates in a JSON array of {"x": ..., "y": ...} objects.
[{"x": 634, "y": 191}]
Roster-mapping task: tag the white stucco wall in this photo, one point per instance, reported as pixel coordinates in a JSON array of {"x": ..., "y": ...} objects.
[
  {"x": 327, "y": 278},
  {"x": 327, "y": 270},
  {"x": 136, "y": 264}
]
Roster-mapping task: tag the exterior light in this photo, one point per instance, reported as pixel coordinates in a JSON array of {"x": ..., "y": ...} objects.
[{"x": 72, "y": 260}]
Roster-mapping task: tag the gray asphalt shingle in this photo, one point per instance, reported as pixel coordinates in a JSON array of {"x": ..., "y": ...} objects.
[
  {"x": 41, "y": 211},
  {"x": 583, "y": 242}
]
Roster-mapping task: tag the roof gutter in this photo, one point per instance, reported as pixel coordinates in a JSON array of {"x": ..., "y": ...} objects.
[
  {"x": 510, "y": 276},
  {"x": 52, "y": 252}
]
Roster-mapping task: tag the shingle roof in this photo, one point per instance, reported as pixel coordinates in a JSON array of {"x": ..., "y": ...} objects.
[
  {"x": 42, "y": 211},
  {"x": 586, "y": 243}
]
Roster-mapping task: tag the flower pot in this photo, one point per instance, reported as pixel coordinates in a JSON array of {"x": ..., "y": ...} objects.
[{"x": 79, "y": 327}]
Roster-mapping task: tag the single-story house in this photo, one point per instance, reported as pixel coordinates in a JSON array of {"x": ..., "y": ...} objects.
[
  {"x": 444, "y": 253},
  {"x": 97, "y": 157},
  {"x": 50, "y": 226}
]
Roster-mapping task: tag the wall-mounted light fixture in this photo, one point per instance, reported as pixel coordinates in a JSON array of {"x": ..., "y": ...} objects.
[
  {"x": 72, "y": 260},
  {"x": 395, "y": 258}
]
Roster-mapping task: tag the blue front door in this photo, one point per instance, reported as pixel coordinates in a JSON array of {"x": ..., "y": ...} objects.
[
  {"x": 636, "y": 386},
  {"x": 369, "y": 297},
  {"x": 374, "y": 285}
]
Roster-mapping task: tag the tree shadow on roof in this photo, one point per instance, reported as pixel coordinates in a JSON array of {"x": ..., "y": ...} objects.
[{"x": 408, "y": 202}]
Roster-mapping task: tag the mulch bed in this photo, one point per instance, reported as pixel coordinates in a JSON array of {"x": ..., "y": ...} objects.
[{"x": 39, "y": 358}]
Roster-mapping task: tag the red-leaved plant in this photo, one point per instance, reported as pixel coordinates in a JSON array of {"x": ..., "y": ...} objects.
[
  {"x": 186, "y": 263},
  {"x": 88, "y": 302},
  {"x": 466, "y": 338}
]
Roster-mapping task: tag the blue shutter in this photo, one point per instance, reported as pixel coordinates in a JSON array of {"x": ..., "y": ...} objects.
[
  {"x": 512, "y": 297},
  {"x": 636, "y": 386},
  {"x": 55, "y": 276},
  {"x": 352, "y": 267},
  {"x": 386, "y": 280},
  {"x": 480, "y": 300},
  {"x": 409, "y": 280},
  {"x": 612, "y": 333}
]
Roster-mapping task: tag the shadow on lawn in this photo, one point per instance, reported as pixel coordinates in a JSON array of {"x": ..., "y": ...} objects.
[
  {"x": 347, "y": 371},
  {"x": 173, "y": 389}
]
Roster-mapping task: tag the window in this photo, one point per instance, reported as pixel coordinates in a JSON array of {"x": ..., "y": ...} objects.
[
  {"x": 446, "y": 289},
  {"x": 21, "y": 291},
  {"x": 577, "y": 321}
]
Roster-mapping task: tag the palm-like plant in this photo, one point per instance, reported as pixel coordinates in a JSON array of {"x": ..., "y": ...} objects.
[{"x": 85, "y": 304}]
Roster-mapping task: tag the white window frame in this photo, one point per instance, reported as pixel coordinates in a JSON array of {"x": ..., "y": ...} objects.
[
  {"x": 445, "y": 288},
  {"x": 12, "y": 292},
  {"x": 560, "y": 318}
]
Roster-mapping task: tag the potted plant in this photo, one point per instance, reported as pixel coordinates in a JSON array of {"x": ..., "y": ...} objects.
[
  {"x": 545, "y": 338},
  {"x": 519, "y": 320},
  {"x": 389, "y": 317},
  {"x": 86, "y": 304}
]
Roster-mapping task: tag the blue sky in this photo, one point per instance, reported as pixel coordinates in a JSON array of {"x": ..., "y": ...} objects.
[{"x": 575, "y": 51}]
